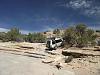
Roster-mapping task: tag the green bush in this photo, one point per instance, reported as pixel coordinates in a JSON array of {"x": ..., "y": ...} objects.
[
  {"x": 36, "y": 38},
  {"x": 3, "y": 37},
  {"x": 70, "y": 36},
  {"x": 79, "y": 36},
  {"x": 14, "y": 34}
]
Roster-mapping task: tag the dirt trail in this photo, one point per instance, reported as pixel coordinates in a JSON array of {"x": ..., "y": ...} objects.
[
  {"x": 27, "y": 59},
  {"x": 11, "y": 64}
]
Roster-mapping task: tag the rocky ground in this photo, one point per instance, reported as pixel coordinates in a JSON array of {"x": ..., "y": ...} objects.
[{"x": 34, "y": 59}]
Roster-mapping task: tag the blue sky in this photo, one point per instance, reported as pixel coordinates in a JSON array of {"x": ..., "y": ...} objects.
[{"x": 42, "y": 15}]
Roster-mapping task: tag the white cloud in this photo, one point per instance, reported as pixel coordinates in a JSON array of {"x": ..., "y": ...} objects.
[
  {"x": 3, "y": 30},
  {"x": 86, "y": 7},
  {"x": 27, "y": 31},
  {"x": 93, "y": 11},
  {"x": 75, "y": 4},
  {"x": 79, "y": 4},
  {"x": 22, "y": 31}
]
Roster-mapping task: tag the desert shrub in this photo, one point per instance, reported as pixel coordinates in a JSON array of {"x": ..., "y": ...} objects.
[
  {"x": 36, "y": 38},
  {"x": 3, "y": 37},
  {"x": 56, "y": 31},
  {"x": 14, "y": 34},
  {"x": 69, "y": 36},
  {"x": 79, "y": 35}
]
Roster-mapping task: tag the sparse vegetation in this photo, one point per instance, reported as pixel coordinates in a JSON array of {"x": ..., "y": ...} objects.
[
  {"x": 3, "y": 37},
  {"x": 36, "y": 37},
  {"x": 15, "y": 35},
  {"x": 79, "y": 36},
  {"x": 56, "y": 32}
]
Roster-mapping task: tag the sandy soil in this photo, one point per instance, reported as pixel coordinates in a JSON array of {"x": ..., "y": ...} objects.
[
  {"x": 26, "y": 59},
  {"x": 29, "y": 63}
]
